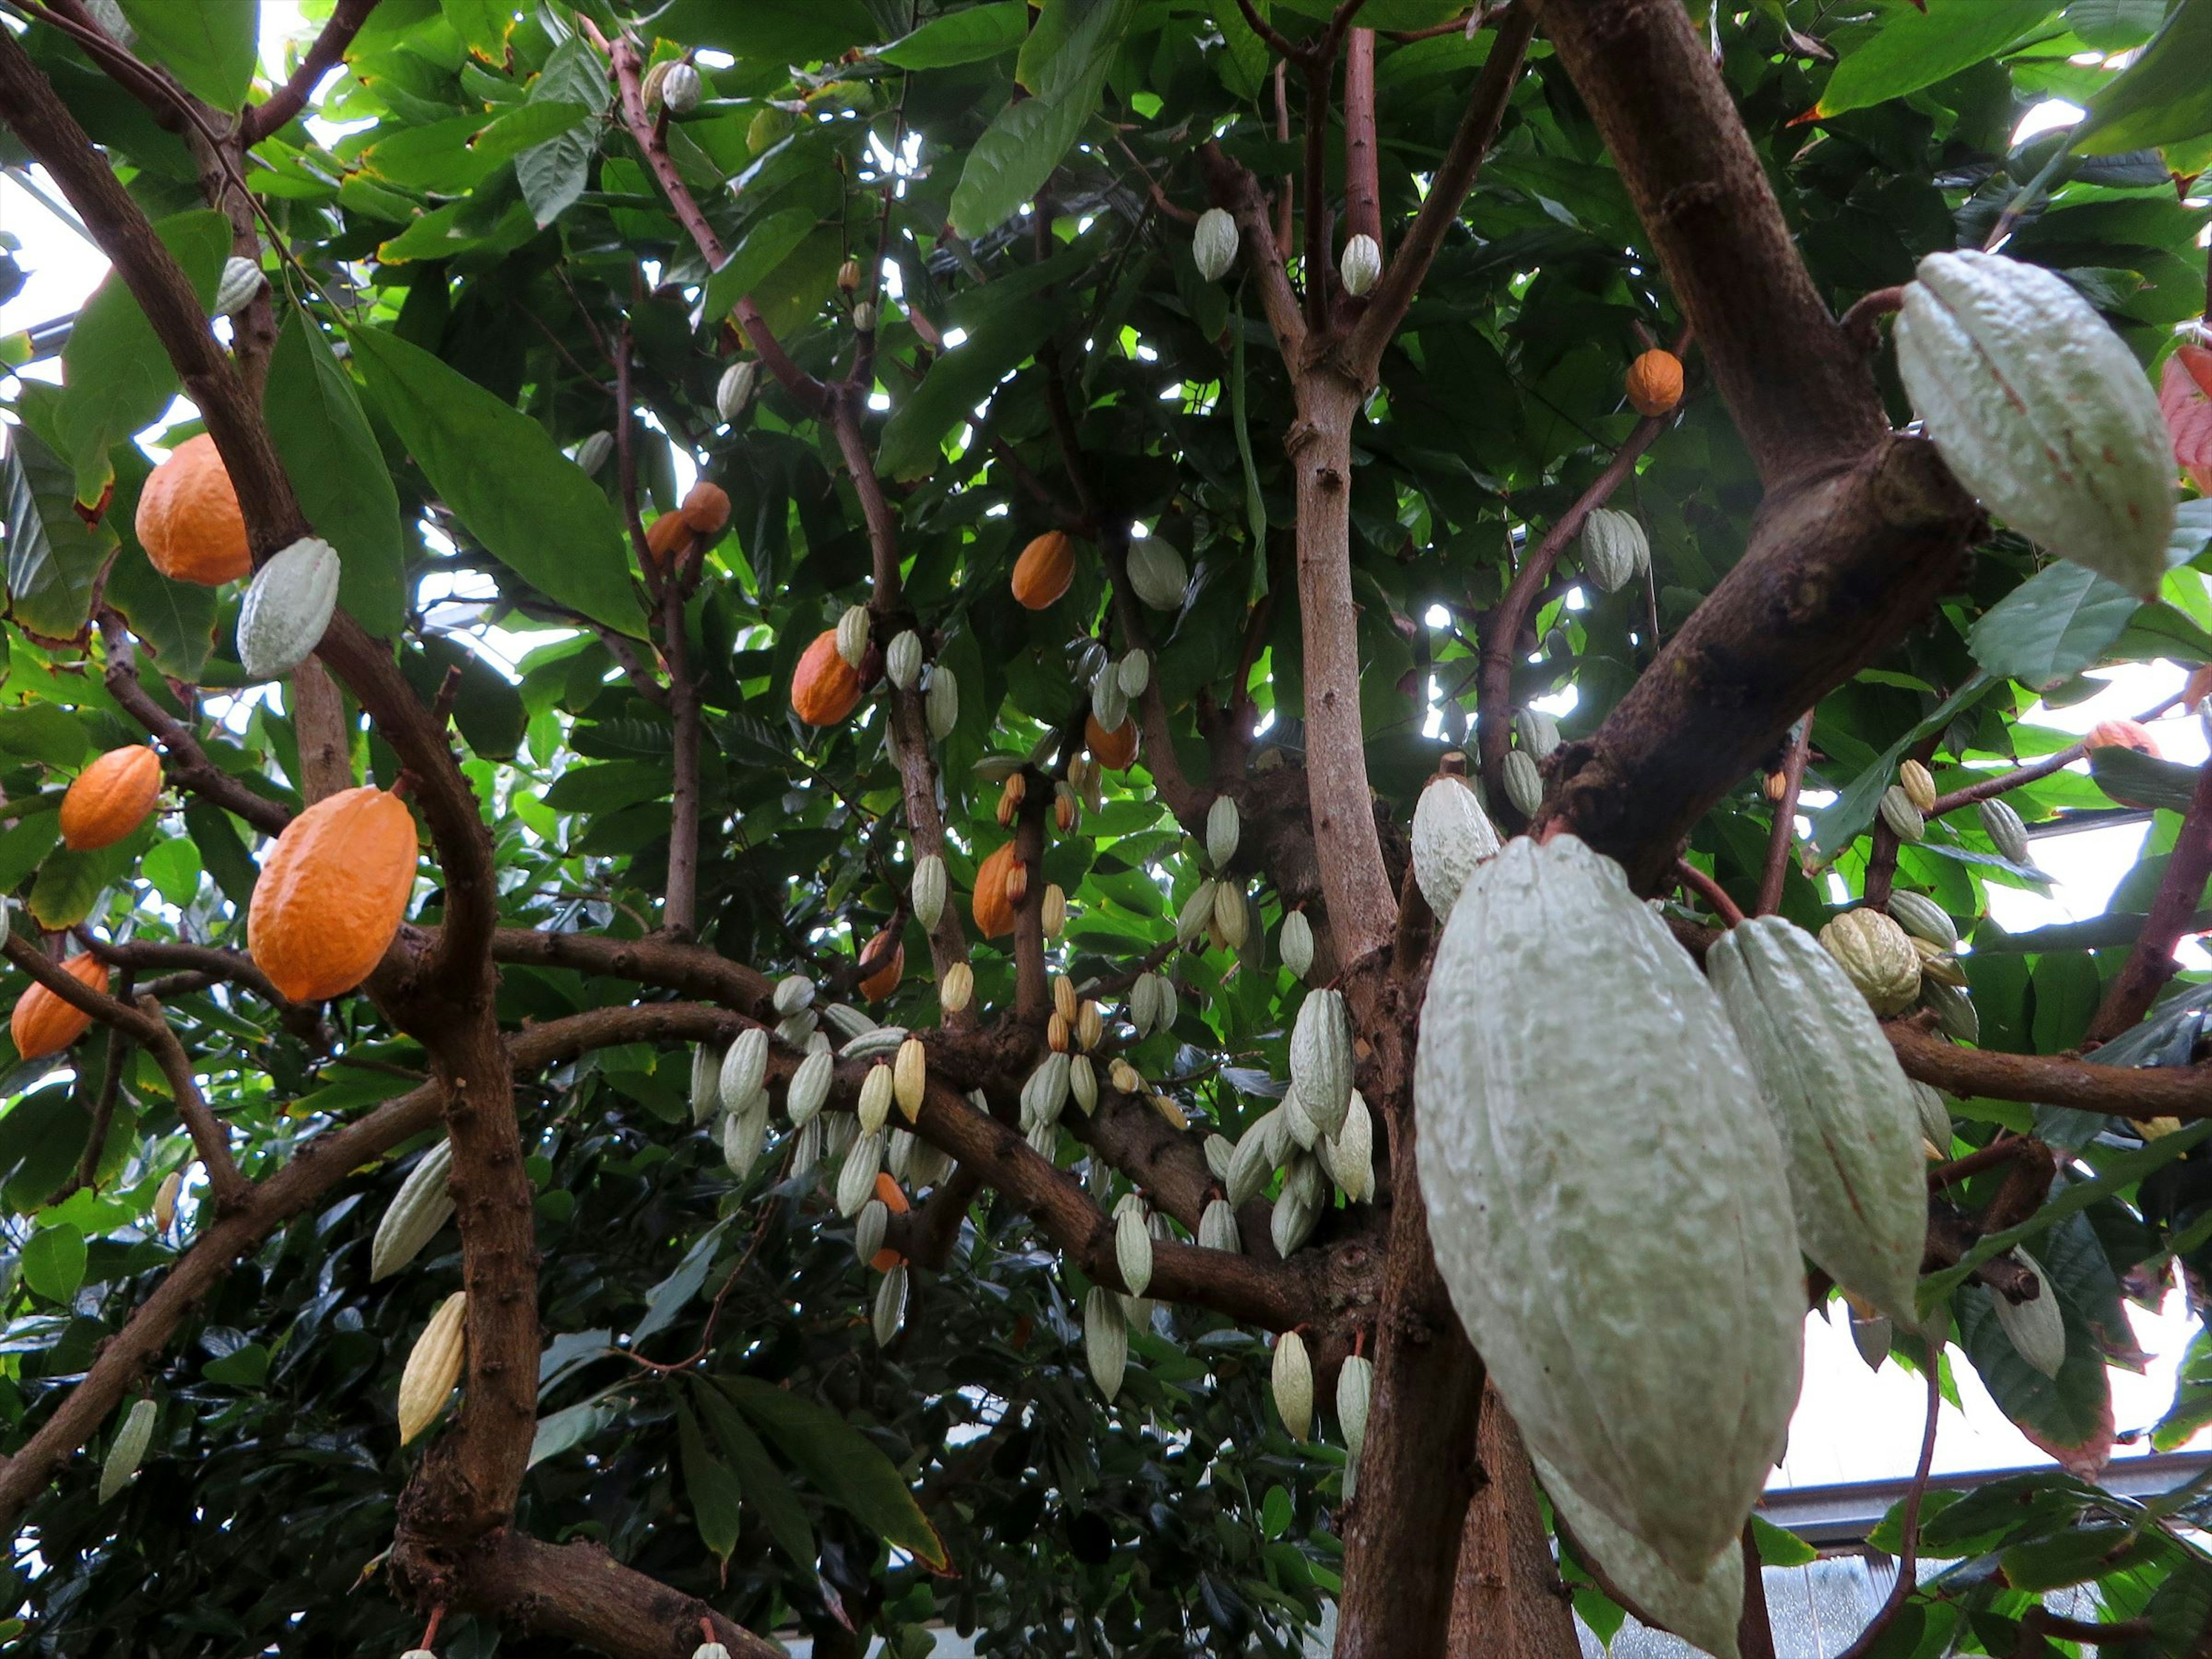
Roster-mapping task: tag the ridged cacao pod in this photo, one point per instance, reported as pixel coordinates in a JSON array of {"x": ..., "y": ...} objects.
[
  {"x": 1922, "y": 918},
  {"x": 1524, "y": 784},
  {"x": 1295, "y": 940},
  {"x": 734, "y": 390},
  {"x": 1321, "y": 1058},
  {"x": 910, "y": 1076},
  {"x": 1231, "y": 920},
  {"x": 957, "y": 990},
  {"x": 42, "y": 1023},
  {"x": 1157, "y": 573},
  {"x": 1654, "y": 382},
  {"x": 1217, "y": 1227},
  {"x": 1254, "y": 1161},
  {"x": 1355, "y": 1387},
  {"x": 241, "y": 281},
  {"x": 1293, "y": 1385},
  {"x": 592, "y": 454},
  {"x": 902, "y": 661},
  {"x": 2036, "y": 1327},
  {"x": 1043, "y": 571},
  {"x": 333, "y": 893},
  {"x": 993, "y": 910},
  {"x": 2123, "y": 734},
  {"x": 793, "y": 992},
  {"x": 1451, "y": 836},
  {"x": 1934, "y": 1117},
  {"x": 433, "y": 1366},
  {"x": 2002, "y": 825},
  {"x": 874, "y": 1109},
  {"x": 889, "y": 1310},
  {"x": 1196, "y": 915},
  {"x": 809, "y": 1086},
  {"x": 680, "y": 89},
  {"x": 1349, "y": 1154},
  {"x": 853, "y": 626},
  {"x": 1538, "y": 732},
  {"x": 868, "y": 1229},
  {"x": 940, "y": 707},
  {"x": 1902, "y": 816},
  {"x": 1082, "y": 1082},
  {"x": 2041, "y": 410},
  {"x": 1053, "y": 910},
  {"x": 111, "y": 798},
  {"x": 1955, "y": 1014},
  {"x": 1850, "y": 1132},
  {"x": 824, "y": 688},
  {"x": 189, "y": 520},
  {"x": 927, "y": 895},
  {"x": 856, "y": 1180},
  {"x": 743, "y": 1067},
  {"x": 288, "y": 604},
  {"x": 706, "y": 1081},
  {"x": 416, "y": 1211},
  {"x": 1615, "y": 550},
  {"x": 884, "y": 958},
  {"x": 1132, "y": 1250},
  {"x": 1361, "y": 267},
  {"x": 1223, "y": 828},
  {"x": 706, "y": 508},
  {"x": 1135, "y": 674},
  {"x": 1113, "y": 747},
  {"x": 1879, "y": 956},
  {"x": 1105, "y": 1340},
  {"x": 1213, "y": 244},
  {"x": 1645, "y": 1335},
  {"x": 874, "y": 1043},
  {"x": 1919, "y": 785},
  {"x": 128, "y": 1450},
  {"x": 165, "y": 1201},
  {"x": 744, "y": 1134},
  {"x": 1702, "y": 1610}
]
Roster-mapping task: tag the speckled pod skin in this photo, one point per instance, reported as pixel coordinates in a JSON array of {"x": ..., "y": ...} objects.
[{"x": 1451, "y": 836}]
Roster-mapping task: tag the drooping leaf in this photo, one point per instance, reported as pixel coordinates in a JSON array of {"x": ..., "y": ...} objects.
[
  {"x": 1912, "y": 48},
  {"x": 710, "y": 1485},
  {"x": 2053, "y": 626},
  {"x": 764, "y": 1486},
  {"x": 210, "y": 45},
  {"x": 2164, "y": 97},
  {"x": 1065, "y": 63},
  {"x": 53, "y": 556}
]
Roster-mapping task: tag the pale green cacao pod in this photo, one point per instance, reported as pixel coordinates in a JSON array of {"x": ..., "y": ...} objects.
[
  {"x": 1349, "y": 1154},
  {"x": 2042, "y": 411},
  {"x": 1321, "y": 1059},
  {"x": 809, "y": 1086},
  {"x": 874, "y": 1109},
  {"x": 1935, "y": 1116},
  {"x": 2003, "y": 826},
  {"x": 1157, "y": 573},
  {"x": 1165, "y": 1008},
  {"x": 889, "y": 1312},
  {"x": 1850, "y": 1130},
  {"x": 1108, "y": 701},
  {"x": 1355, "y": 1386},
  {"x": 868, "y": 1228},
  {"x": 415, "y": 1213},
  {"x": 796, "y": 1031},
  {"x": 592, "y": 454},
  {"x": 128, "y": 1450},
  {"x": 1220, "y": 1153},
  {"x": 1538, "y": 732},
  {"x": 744, "y": 1134},
  {"x": 1295, "y": 940},
  {"x": 1305, "y": 1180},
  {"x": 793, "y": 991},
  {"x": 874, "y": 1044},
  {"x": 1105, "y": 1340},
  {"x": 1293, "y": 1384},
  {"x": 940, "y": 704},
  {"x": 1082, "y": 1082},
  {"x": 1133, "y": 1250},
  {"x": 1197, "y": 914},
  {"x": 1524, "y": 784},
  {"x": 1044, "y": 1096},
  {"x": 1248, "y": 1172},
  {"x": 288, "y": 604},
  {"x": 1223, "y": 827},
  {"x": 1229, "y": 915},
  {"x": 1702, "y": 1610},
  {"x": 1303, "y": 1130},
  {"x": 1290, "y": 1223},
  {"x": 856, "y": 1180},
  {"x": 1614, "y": 549},
  {"x": 853, "y": 634},
  {"x": 1451, "y": 836},
  {"x": 927, "y": 892},
  {"x": 1902, "y": 816},
  {"x": 1044, "y": 1141},
  {"x": 1955, "y": 1010},
  {"x": 1217, "y": 1227},
  {"x": 680, "y": 89},
  {"x": 241, "y": 281},
  {"x": 1922, "y": 918},
  {"x": 1361, "y": 266},
  {"x": 743, "y": 1067},
  {"x": 1878, "y": 956},
  {"x": 2037, "y": 1327},
  {"x": 1644, "y": 1334},
  {"x": 902, "y": 661},
  {"x": 1213, "y": 244},
  {"x": 735, "y": 389},
  {"x": 1135, "y": 674}
]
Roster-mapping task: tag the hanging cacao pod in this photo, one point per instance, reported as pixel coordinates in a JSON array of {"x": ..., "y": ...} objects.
[
  {"x": 1879, "y": 956},
  {"x": 1213, "y": 244},
  {"x": 874, "y": 1109},
  {"x": 856, "y": 1181},
  {"x": 958, "y": 989},
  {"x": 993, "y": 909},
  {"x": 165, "y": 1201},
  {"x": 1538, "y": 732},
  {"x": 2002, "y": 825},
  {"x": 680, "y": 89},
  {"x": 1043, "y": 571},
  {"x": 1321, "y": 1058},
  {"x": 1295, "y": 940},
  {"x": 745, "y": 1064},
  {"x": 1902, "y": 816},
  {"x": 1524, "y": 1127},
  {"x": 1451, "y": 837},
  {"x": 853, "y": 630},
  {"x": 744, "y": 1134},
  {"x": 1355, "y": 1387},
  {"x": 1615, "y": 550},
  {"x": 111, "y": 798},
  {"x": 927, "y": 894},
  {"x": 1132, "y": 1250},
  {"x": 189, "y": 520},
  {"x": 1524, "y": 784},
  {"x": 824, "y": 688},
  {"x": 734, "y": 390},
  {"x": 706, "y": 508},
  {"x": 1700, "y": 1610},
  {"x": 1919, "y": 785},
  {"x": 1222, "y": 830},
  {"x": 910, "y": 1076},
  {"x": 128, "y": 1450},
  {"x": 1922, "y": 918},
  {"x": 1113, "y": 748},
  {"x": 902, "y": 661},
  {"x": 592, "y": 454},
  {"x": 333, "y": 893},
  {"x": 288, "y": 604},
  {"x": 1135, "y": 674},
  {"x": 885, "y": 964},
  {"x": 1349, "y": 1154},
  {"x": 1157, "y": 574},
  {"x": 2036, "y": 1327},
  {"x": 940, "y": 706},
  {"x": 1293, "y": 1385},
  {"x": 1230, "y": 919},
  {"x": 241, "y": 281},
  {"x": 1053, "y": 910},
  {"x": 1105, "y": 1340},
  {"x": 1654, "y": 382},
  {"x": 2065, "y": 444},
  {"x": 868, "y": 1228},
  {"x": 42, "y": 1023},
  {"x": 889, "y": 1310},
  {"x": 1217, "y": 1227},
  {"x": 1934, "y": 1117},
  {"x": 1082, "y": 1082},
  {"x": 433, "y": 1366},
  {"x": 809, "y": 1086},
  {"x": 421, "y": 1206},
  {"x": 793, "y": 992},
  {"x": 1361, "y": 266},
  {"x": 1955, "y": 1015},
  {"x": 1196, "y": 915}
]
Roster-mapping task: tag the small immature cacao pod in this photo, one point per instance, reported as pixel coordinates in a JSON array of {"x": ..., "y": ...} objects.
[
  {"x": 2002, "y": 825},
  {"x": 1654, "y": 382},
  {"x": 1349, "y": 1154},
  {"x": 941, "y": 705},
  {"x": 1293, "y": 1385},
  {"x": 1109, "y": 704},
  {"x": 902, "y": 661},
  {"x": 1089, "y": 1025},
  {"x": 1157, "y": 573},
  {"x": 1918, "y": 784},
  {"x": 853, "y": 634},
  {"x": 1132, "y": 1250},
  {"x": 680, "y": 89},
  {"x": 958, "y": 989},
  {"x": 743, "y": 1068},
  {"x": 1524, "y": 784},
  {"x": 1217, "y": 1227},
  {"x": 793, "y": 992},
  {"x": 241, "y": 281},
  {"x": 1939, "y": 966},
  {"x": 286, "y": 609},
  {"x": 416, "y": 1211},
  {"x": 592, "y": 454},
  {"x": 165, "y": 1201},
  {"x": 1067, "y": 806},
  {"x": 1879, "y": 956},
  {"x": 806, "y": 1148},
  {"x": 809, "y": 1086},
  {"x": 1902, "y": 816},
  {"x": 1294, "y": 940},
  {"x": 111, "y": 798},
  {"x": 1231, "y": 918},
  {"x": 1615, "y": 550},
  {"x": 1135, "y": 674},
  {"x": 1213, "y": 244},
  {"x": 1955, "y": 1015},
  {"x": 1124, "y": 1077},
  {"x": 1361, "y": 267},
  {"x": 2066, "y": 446},
  {"x": 2036, "y": 1327},
  {"x": 1355, "y": 1387},
  {"x": 1321, "y": 1058},
  {"x": 1290, "y": 1223},
  {"x": 1254, "y": 1163},
  {"x": 710, "y": 1650},
  {"x": 735, "y": 390},
  {"x": 1538, "y": 732},
  {"x": 1220, "y": 1152},
  {"x": 848, "y": 276},
  {"x": 874, "y": 1109},
  {"x": 1082, "y": 1082},
  {"x": 706, "y": 1081},
  {"x": 1105, "y": 1340},
  {"x": 910, "y": 1076},
  {"x": 433, "y": 1366},
  {"x": 128, "y": 1450},
  {"x": 797, "y": 1030},
  {"x": 1922, "y": 918},
  {"x": 1451, "y": 837},
  {"x": 1055, "y": 910},
  {"x": 889, "y": 1310},
  {"x": 864, "y": 317}
]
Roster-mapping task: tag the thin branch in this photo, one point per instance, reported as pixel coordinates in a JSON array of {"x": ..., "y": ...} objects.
[
  {"x": 2005, "y": 782},
  {"x": 2151, "y": 962},
  {"x": 1709, "y": 890},
  {"x": 680, "y": 909},
  {"x": 184, "y": 760},
  {"x": 329, "y": 49},
  {"x": 155, "y": 88},
  {"x": 1784, "y": 835},
  {"x": 103, "y": 1112},
  {"x": 209, "y": 1137},
  {"x": 1908, "y": 1556}
]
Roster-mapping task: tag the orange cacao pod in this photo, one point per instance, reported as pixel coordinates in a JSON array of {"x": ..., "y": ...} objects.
[
  {"x": 894, "y": 1200},
  {"x": 333, "y": 893},
  {"x": 1115, "y": 749},
  {"x": 885, "y": 959},
  {"x": 706, "y": 508},
  {"x": 111, "y": 798},
  {"x": 1654, "y": 382},
  {"x": 824, "y": 688},
  {"x": 189, "y": 520},
  {"x": 43, "y": 1024},
  {"x": 1043, "y": 571},
  {"x": 993, "y": 911},
  {"x": 668, "y": 538},
  {"x": 2123, "y": 734}
]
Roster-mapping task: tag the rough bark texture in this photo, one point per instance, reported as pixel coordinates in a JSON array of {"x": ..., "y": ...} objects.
[
  {"x": 1509, "y": 1602},
  {"x": 2181, "y": 890}
]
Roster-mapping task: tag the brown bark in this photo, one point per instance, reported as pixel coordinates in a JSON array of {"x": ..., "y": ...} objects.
[
  {"x": 2182, "y": 1091},
  {"x": 320, "y": 723},
  {"x": 679, "y": 911},
  {"x": 328, "y": 51},
  {"x": 1509, "y": 1602},
  {"x": 2151, "y": 962}
]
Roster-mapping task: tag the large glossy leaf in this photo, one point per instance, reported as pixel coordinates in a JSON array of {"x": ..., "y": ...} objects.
[
  {"x": 554, "y": 173},
  {"x": 764, "y": 1486},
  {"x": 2164, "y": 97},
  {"x": 1912, "y": 48},
  {"x": 210, "y": 45},
  {"x": 53, "y": 1261},
  {"x": 710, "y": 1485},
  {"x": 506, "y": 481},
  {"x": 766, "y": 245},
  {"x": 2053, "y": 626},
  {"x": 961, "y": 37},
  {"x": 2071, "y": 1415},
  {"x": 53, "y": 556},
  {"x": 1024, "y": 142}
]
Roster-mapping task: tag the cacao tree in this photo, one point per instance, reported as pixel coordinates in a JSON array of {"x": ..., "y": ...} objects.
[{"x": 1019, "y": 812}]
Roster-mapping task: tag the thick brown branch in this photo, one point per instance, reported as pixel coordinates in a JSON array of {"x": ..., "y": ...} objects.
[
  {"x": 1232, "y": 186},
  {"x": 1363, "y": 172},
  {"x": 328, "y": 51},
  {"x": 2151, "y": 962},
  {"x": 2182, "y": 1091}
]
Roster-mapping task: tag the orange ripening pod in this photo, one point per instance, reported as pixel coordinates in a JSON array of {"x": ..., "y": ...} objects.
[
  {"x": 885, "y": 957},
  {"x": 333, "y": 893},
  {"x": 706, "y": 508},
  {"x": 2123, "y": 734},
  {"x": 111, "y": 798},
  {"x": 993, "y": 910},
  {"x": 824, "y": 687},
  {"x": 189, "y": 520},
  {"x": 1042, "y": 573},
  {"x": 1114, "y": 749},
  {"x": 894, "y": 1200},
  {"x": 43, "y": 1024},
  {"x": 667, "y": 540},
  {"x": 1654, "y": 382}
]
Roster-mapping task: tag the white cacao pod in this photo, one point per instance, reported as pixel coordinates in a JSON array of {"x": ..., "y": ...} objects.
[
  {"x": 902, "y": 661},
  {"x": 793, "y": 992},
  {"x": 809, "y": 1086},
  {"x": 1132, "y": 1250},
  {"x": 1105, "y": 1340},
  {"x": 1293, "y": 1385},
  {"x": 2002, "y": 825},
  {"x": 1295, "y": 940},
  {"x": 1135, "y": 674},
  {"x": 1615, "y": 550},
  {"x": 910, "y": 1076},
  {"x": 797, "y": 1030},
  {"x": 1217, "y": 1227},
  {"x": 874, "y": 1109},
  {"x": 1669, "y": 1422},
  {"x": 1922, "y": 918},
  {"x": 415, "y": 1213},
  {"x": 1361, "y": 266},
  {"x": 1538, "y": 732},
  {"x": 1918, "y": 784},
  {"x": 1223, "y": 827},
  {"x": 874, "y": 1044},
  {"x": 868, "y": 1228},
  {"x": 849, "y": 1021},
  {"x": 1213, "y": 244},
  {"x": 1355, "y": 1385},
  {"x": 927, "y": 894},
  {"x": 1850, "y": 1131},
  {"x": 853, "y": 634},
  {"x": 1321, "y": 1059},
  {"x": 1934, "y": 1117},
  {"x": 889, "y": 1312},
  {"x": 1197, "y": 915},
  {"x": 2036, "y": 1327},
  {"x": 1165, "y": 1011},
  {"x": 128, "y": 1450},
  {"x": 940, "y": 704},
  {"x": 2041, "y": 410},
  {"x": 958, "y": 989},
  {"x": 241, "y": 280},
  {"x": 1954, "y": 1009},
  {"x": 1293, "y": 1220},
  {"x": 1044, "y": 1097},
  {"x": 856, "y": 1181},
  {"x": 680, "y": 89},
  {"x": 1349, "y": 1154},
  {"x": 745, "y": 1134},
  {"x": 1879, "y": 956},
  {"x": 1082, "y": 1082},
  {"x": 591, "y": 453},
  {"x": 433, "y": 1366},
  {"x": 735, "y": 390},
  {"x": 1231, "y": 918},
  {"x": 1702, "y": 1610},
  {"x": 1902, "y": 816},
  {"x": 1255, "y": 1162},
  {"x": 1157, "y": 573},
  {"x": 1451, "y": 836},
  {"x": 288, "y": 604},
  {"x": 1220, "y": 1153},
  {"x": 743, "y": 1067},
  {"x": 1524, "y": 784}
]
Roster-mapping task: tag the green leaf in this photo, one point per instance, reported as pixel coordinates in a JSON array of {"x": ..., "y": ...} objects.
[
  {"x": 1854, "y": 809},
  {"x": 42, "y": 732},
  {"x": 570, "y": 1427},
  {"x": 671, "y": 1296},
  {"x": 1066, "y": 62},
  {"x": 2115, "y": 25},
  {"x": 765, "y": 1487},
  {"x": 53, "y": 1261},
  {"x": 481, "y": 24},
  {"x": 2164, "y": 97},
  {"x": 957, "y": 383},
  {"x": 766, "y": 245},
  {"x": 1912, "y": 48},
  {"x": 70, "y": 882},
  {"x": 53, "y": 556},
  {"x": 842, "y": 1462},
  {"x": 246, "y": 1366},
  {"x": 222, "y": 852},
  {"x": 173, "y": 866},
  {"x": 210, "y": 45},
  {"x": 487, "y": 707},
  {"x": 1778, "y": 1546},
  {"x": 24, "y": 847},
  {"x": 554, "y": 173},
  {"x": 2138, "y": 779},
  {"x": 2053, "y": 626},
  {"x": 339, "y": 471},
  {"x": 530, "y": 505},
  {"x": 962, "y": 37},
  {"x": 711, "y": 1487}
]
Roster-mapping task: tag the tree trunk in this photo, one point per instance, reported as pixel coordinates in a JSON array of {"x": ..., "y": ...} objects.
[
  {"x": 319, "y": 722},
  {"x": 1509, "y": 1601}
]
